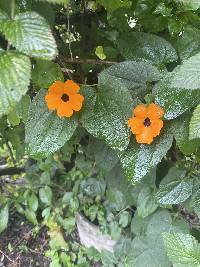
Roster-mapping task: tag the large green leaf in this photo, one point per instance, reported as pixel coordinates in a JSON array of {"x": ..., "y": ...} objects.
[
  {"x": 148, "y": 250},
  {"x": 106, "y": 112},
  {"x": 174, "y": 101},
  {"x": 45, "y": 73},
  {"x": 189, "y": 43},
  {"x": 3, "y": 218},
  {"x": 181, "y": 134},
  {"x": 112, "y": 5},
  {"x": 190, "y": 4},
  {"x": 65, "y": 2},
  {"x": 182, "y": 249},
  {"x": 138, "y": 160},
  {"x": 146, "y": 202},
  {"x": 146, "y": 46},
  {"x": 45, "y": 131},
  {"x": 175, "y": 188},
  {"x": 195, "y": 124},
  {"x": 15, "y": 72},
  {"x": 134, "y": 75},
  {"x": 187, "y": 76},
  {"x": 30, "y": 34}
]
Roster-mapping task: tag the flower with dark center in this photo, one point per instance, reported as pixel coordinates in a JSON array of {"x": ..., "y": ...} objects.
[{"x": 146, "y": 122}]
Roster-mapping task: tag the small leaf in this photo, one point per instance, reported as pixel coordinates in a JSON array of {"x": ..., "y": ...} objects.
[
  {"x": 195, "y": 124},
  {"x": 146, "y": 46},
  {"x": 31, "y": 216},
  {"x": 4, "y": 215},
  {"x": 45, "y": 131},
  {"x": 14, "y": 79},
  {"x": 146, "y": 202},
  {"x": 174, "y": 188},
  {"x": 13, "y": 118},
  {"x": 33, "y": 202},
  {"x": 46, "y": 195},
  {"x": 22, "y": 107},
  {"x": 124, "y": 218},
  {"x": 100, "y": 53},
  {"x": 30, "y": 34},
  {"x": 182, "y": 249}
]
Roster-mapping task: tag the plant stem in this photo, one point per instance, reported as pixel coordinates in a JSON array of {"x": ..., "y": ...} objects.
[{"x": 12, "y": 9}]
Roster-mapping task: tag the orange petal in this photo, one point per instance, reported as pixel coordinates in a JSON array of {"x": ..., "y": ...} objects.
[
  {"x": 65, "y": 110},
  {"x": 140, "y": 111},
  {"x": 57, "y": 88},
  {"x": 156, "y": 126},
  {"x": 154, "y": 111},
  {"x": 71, "y": 87},
  {"x": 137, "y": 125},
  {"x": 53, "y": 101},
  {"x": 76, "y": 101},
  {"x": 145, "y": 137}
]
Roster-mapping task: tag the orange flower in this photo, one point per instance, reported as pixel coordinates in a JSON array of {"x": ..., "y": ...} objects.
[
  {"x": 64, "y": 98},
  {"x": 146, "y": 123}
]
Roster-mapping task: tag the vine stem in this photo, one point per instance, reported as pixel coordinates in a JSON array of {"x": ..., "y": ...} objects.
[{"x": 12, "y": 9}]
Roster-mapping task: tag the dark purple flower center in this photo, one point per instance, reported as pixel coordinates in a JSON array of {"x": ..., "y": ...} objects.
[
  {"x": 147, "y": 122},
  {"x": 65, "y": 97}
]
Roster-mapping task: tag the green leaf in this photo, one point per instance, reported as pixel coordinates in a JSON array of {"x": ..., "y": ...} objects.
[
  {"x": 134, "y": 75},
  {"x": 174, "y": 101},
  {"x": 182, "y": 249},
  {"x": 33, "y": 202},
  {"x": 138, "y": 160},
  {"x": 146, "y": 202},
  {"x": 148, "y": 250},
  {"x": 187, "y": 76},
  {"x": 64, "y": 2},
  {"x": 45, "y": 73},
  {"x": 31, "y": 216},
  {"x": 30, "y": 34},
  {"x": 100, "y": 53},
  {"x": 146, "y": 46},
  {"x": 181, "y": 134},
  {"x": 106, "y": 112},
  {"x": 14, "y": 79},
  {"x": 45, "y": 131},
  {"x": 189, "y": 43},
  {"x": 46, "y": 195},
  {"x": 195, "y": 124},
  {"x": 22, "y": 107},
  {"x": 124, "y": 218},
  {"x": 4, "y": 215},
  {"x": 113, "y": 5},
  {"x": 13, "y": 118},
  {"x": 175, "y": 188},
  {"x": 190, "y": 4}
]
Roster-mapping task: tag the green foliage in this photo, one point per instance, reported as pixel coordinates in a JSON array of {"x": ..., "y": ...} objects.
[{"x": 145, "y": 197}]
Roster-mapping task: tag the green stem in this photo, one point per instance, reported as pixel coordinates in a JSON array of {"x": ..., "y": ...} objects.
[{"x": 12, "y": 9}]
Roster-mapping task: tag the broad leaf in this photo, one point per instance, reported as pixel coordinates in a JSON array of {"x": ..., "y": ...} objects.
[
  {"x": 182, "y": 249},
  {"x": 45, "y": 131},
  {"x": 175, "y": 188},
  {"x": 106, "y": 112},
  {"x": 189, "y": 43},
  {"x": 174, "y": 101},
  {"x": 146, "y": 46},
  {"x": 14, "y": 79},
  {"x": 46, "y": 194},
  {"x": 146, "y": 202},
  {"x": 187, "y": 76},
  {"x": 190, "y": 4},
  {"x": 195, "y": 124},
  {"x": 112, "y": 5},
  {"x": 138, "y": 160},
  {"x": 45, "y": 73},
  {"x": 134, "y": 75},
  {"x": 3, "y": 218},
  {"x": 181, "y": 134},
  {"x": 30, "y": 34}
]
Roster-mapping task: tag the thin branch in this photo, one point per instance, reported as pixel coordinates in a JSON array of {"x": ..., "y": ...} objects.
[
  {"x": 6, "y": 256},
  {"x": 11, "y": 171},
  {"x": 88, "y": 61}
]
